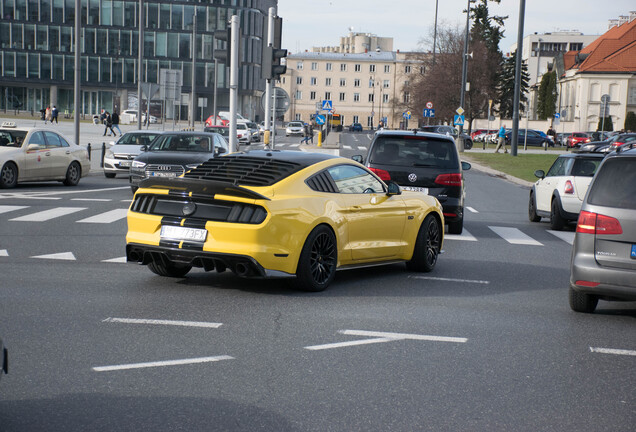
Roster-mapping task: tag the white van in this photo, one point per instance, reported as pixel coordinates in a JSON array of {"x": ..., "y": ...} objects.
[{"x": 225, "y": 115}]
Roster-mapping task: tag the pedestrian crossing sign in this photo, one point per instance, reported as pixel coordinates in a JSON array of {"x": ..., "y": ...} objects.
[
  {"x": 459, "y": 120},
  {"x": 327, "y": 105}
]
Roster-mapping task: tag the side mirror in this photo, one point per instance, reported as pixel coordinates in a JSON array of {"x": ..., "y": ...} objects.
[
  {"x": 540, "y": 174},
  {"x": 33, "y": 147},
  {"x": 358, "y": 158},
  {"x": 219, "y": 150},
  {"x": 393, "y": 189},
  {"x": 144, "y": 148},
  {"x": 466, "y": 166}
]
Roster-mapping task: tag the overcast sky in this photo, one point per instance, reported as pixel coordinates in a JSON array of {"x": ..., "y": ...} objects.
[{"x": 322, "y": 22}]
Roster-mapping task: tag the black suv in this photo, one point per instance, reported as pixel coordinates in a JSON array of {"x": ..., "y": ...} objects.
[
  {"x": 425, "y": 162},
  {"x": 449, "y": 130}
]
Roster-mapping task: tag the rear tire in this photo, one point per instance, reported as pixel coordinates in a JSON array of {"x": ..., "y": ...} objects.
[
  {"x": 8, "y": 176},
  {"x": 456, "y": 227},
  {"x": 318, "y": 260},
  {"x": 169, "y": 269},
  {"x": 556, "y": 220},
  {"x": 581, "y": 302},
  {"x": 109, "y": 175},
  {"x": 532, "y": 209},
  {"x": 427, "y": 246},
  {"x": 73, "y": 174}
]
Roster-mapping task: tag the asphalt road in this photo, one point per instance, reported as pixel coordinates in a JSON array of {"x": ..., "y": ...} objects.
[{"x": 485, "y": 342}]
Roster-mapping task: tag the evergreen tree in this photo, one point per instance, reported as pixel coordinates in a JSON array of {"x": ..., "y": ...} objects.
[
  {"x": 506, "y": 86},
  {"x": 489, "y": 29},
  {"x": 630, "y": 121},
  {"x": 605, "y": 124},
  {"x": 547, "y": 96}
]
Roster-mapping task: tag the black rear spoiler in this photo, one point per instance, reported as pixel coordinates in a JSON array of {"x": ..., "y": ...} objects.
[{"x": 201, "y": 187}]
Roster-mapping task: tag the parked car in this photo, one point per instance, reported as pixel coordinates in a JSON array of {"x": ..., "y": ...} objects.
[
  {"x": 355, "y": 127},
  {"x": 603, "y": 264},
  {"x": 118, "y": 158},
  {"x": 534, "y": 138},
  {"x": 294, "y": 128},
  {"x": 222, "y": 130},
  {"x": 129, "y": 116},
  {"x": 173, "y": 153},
  {"x": 255, "y": 135},
  {"x": 576, "y": 138},
  {"x": 449, "y": 130},
  {"x": 609, "y": 144},
  {"x": 560, "y": 140},
  {"x": 423, "y": 162},
  {"x": 210, "y": 121},
  {"x": 243, "y": 133},
  {"x": 283, "y": 213},
  {"x": 477, "y": 132},
  {"x": 30, "y": 154},
  {"x": 559, "y": 193}
]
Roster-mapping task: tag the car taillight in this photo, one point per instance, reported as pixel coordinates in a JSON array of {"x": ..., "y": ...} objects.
[
  {"x": 454, "y": 179},
  {"x": 617, "y": 144},
  {"x": 569, "y": 189},
  {"x": 383, "y": 174},
  {"x": 587, "y": 283},
  {"x": 586, "y": 140},
  {"x": 594, "y": 223}
]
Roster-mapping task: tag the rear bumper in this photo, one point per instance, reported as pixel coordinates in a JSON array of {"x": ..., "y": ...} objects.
[{"x": 613, "y": 283}]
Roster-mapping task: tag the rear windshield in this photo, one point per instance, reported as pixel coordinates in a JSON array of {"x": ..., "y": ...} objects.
[
  {"x": 615, "y": 184},
  {"x": 413, "y": 151},
  {"x": 585, "y": 167},
  {"x": 183, "y": 143}
]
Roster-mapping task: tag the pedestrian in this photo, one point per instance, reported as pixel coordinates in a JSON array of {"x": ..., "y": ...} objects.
[
  {"x": 305, "y": 134},
  {"x": 54, "y": 114},
  {"x": 502, "y": 139},
  {"x": 48, "y": 115},
  {"x": 115, "y": 119},
  {"x": 108, "y": 122},
  {"x": 311, "y": 132},
  {"x": 43, "y": 115}
]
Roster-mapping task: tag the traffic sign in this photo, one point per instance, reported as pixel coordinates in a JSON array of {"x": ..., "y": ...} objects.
[
  {"x": 282, "y": 101},
  {"x": 459, "y": 120},
  {"x": 429, "y": 105},
  {"x": 557, "y": 115},
  {"x": 407, "y": 115},
  {"x": 428, "y": 112},
  {"x": 460, "y": 110},
  {"x": 320, "y": 119},
  {"x": 327, "y": 105}
]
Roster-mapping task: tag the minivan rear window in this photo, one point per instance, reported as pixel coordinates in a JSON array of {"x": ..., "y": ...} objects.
[
  {"x": 615, "y": 184},
  {"x": 413, "y": 150}
]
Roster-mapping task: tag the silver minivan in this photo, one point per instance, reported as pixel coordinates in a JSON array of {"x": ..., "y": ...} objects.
[{"x": 603, "y": 265}]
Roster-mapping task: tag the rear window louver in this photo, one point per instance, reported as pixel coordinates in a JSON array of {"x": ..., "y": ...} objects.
[
  {"x": 322, "y": 182},
  {"x": 244, "y": 170}
]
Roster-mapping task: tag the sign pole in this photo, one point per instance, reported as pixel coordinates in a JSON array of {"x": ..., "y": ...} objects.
[{"x": 234, "y": 82}]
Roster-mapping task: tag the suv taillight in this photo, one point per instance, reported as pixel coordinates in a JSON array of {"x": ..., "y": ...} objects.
[
  {"x": 594, "y": 223},
  {"x": 569, "y": 189},
  {"x": 454, "y": 179},
  {"x": 383, "y": 174}
]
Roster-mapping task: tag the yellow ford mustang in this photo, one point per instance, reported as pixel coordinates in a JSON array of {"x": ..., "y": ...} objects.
[{"x": 281, "y": 213}]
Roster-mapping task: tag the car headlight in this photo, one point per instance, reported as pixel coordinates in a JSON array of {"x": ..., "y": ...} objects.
[
  {"x": 109, "y": 154},
  {"x": 138, "y": 164},
  {"x": 192, "y": 166}
]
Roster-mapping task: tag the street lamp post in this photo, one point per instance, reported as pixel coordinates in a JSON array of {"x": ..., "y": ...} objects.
[
  {"x": 372, "y": 84},
  {"x": 464, "y": 71}
]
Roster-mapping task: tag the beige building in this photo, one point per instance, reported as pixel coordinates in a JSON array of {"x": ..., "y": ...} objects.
[
  {"x": 363, "y": 87},
  {"x": 359, "y": 43}
]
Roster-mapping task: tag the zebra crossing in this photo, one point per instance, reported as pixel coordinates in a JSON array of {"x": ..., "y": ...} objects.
[{"x": 106, "y": 217}]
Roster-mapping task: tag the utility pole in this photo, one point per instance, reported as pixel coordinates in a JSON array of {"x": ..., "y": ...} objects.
[
  {"x": 76, "y": 78},
  {"x": 515, "y": 108},
  {"x": 268, "y": 85},
  {"x": 140, "y": 59},
  {"x": 464, "y": 73},
  {"x": 234, "y": 37},
  {"x": 435, "y": 30},
  {"x": 193, "y": 100}
]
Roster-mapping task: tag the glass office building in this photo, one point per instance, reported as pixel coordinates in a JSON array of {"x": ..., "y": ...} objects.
[{"x": 37, "y": 59}]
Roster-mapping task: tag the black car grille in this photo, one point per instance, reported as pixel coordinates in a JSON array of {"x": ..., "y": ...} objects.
[
  {"x": 245, "y": 170},
  {"x": 206, "y": 209},
  {"x": 165, "y": 168}
]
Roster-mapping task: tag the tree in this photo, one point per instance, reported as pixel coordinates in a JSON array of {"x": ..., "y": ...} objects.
[
  {"x": 489, "y": 29},
  {"x": 506, "y": 86},
  {"x": 630, "y": 122},
  {"x": 605, "y": 124},
  {"x": 547, "y": 96}
]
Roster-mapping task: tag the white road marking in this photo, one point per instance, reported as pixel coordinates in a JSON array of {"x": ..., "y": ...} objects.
[
  {"x": 566, "y": 236},
  {"x": 8, "y": 208},
  {"x": 613, "y": 351},
  {"x": 348, "y": 147},
  {"x": 484, "y": 282},
  {"x": 470, "y": 209},
  {"x": 465, "y": 235},
  {"x": 92, "y": 199},
  {"x": 514, "y": 236},
  {"x": 294, "y": 145},
  {"x": 48, "y": 214},
  {"x": 4, "y": 252},
  {"x": 163, "y": 322},
  {"x": 25, "y": 196},
  {"x": 379, "y": 337},
  {"x": 346, "y": 344},
  {"x": 48, "y": 194},
  {"x": 116, "y": 260},
  {"x": 107, "y": 217},
  {"x": 127, "y": 200},
  {"x": 67, "y": 256},
  {"x": 362, "y": 147},
  {"x": 162, "y": 363}
]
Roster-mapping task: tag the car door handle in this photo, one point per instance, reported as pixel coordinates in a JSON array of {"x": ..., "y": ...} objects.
[
  {"x": 68, "y": 152},
  {"x": 355, "y": 208},
  {"x": 48, "y": 153}
]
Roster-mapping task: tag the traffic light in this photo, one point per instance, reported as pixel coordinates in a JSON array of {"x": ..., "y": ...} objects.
[
  {"x": 223, "y": 55},
  {"x": 270, "y": 66}
]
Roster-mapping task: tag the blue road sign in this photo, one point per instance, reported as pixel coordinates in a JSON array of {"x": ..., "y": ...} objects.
[
  {"x": 459, "y": 120},
  {"x": 406, "y": 115},
  {"x": 327, "y": 105},
  {"x": 320, "y": 119},
  {"x": 557, "y": 115},
  {"x": 428, "y": 112}
]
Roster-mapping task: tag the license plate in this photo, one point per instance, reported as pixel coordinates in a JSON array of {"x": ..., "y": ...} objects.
[
  {"x": 183, "y": 234},
  {"x": 162, "y": 174},
  {"x": 415, "y": 189},
  {"x": 125, "y": 164},
  {"x": 633, "y": 252}
]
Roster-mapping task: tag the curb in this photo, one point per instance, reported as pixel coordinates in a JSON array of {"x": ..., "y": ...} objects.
[{"x": 500, "y": 174}]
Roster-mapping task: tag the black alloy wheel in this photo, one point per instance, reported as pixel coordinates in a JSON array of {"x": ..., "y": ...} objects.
[
  {"x": 427, "y": 246},
  {"x": 532, "y": 209},
  {"x": 556, "y": 220},
  {"x": 318, "y": 260},
  {"x": 8, "y": 176},
  {"x": 73, "y": 174}
]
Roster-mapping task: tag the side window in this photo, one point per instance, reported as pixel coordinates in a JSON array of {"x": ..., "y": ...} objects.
[
  {"x": 585, "y": 167},
  {"x": 557, "y": 168},
  {"x": 355, "y": 180},
  {"x": 53, "y": 140},
  {"x": 221, "y": 143},
  {"x": 37, "y": 138}
]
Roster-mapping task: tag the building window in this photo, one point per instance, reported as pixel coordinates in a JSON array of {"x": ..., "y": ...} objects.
[
  {"x": 343, "y": 67},
  {"x": 297, "y": 117},
  {"x": 406, "y": 83},
  {"x": 355, "y": 119},
  {"x": 313, "y": 81},
  {"x": 299, "y": 80},
  {"x": 312, "y": 95},
  {"x": 407, "y": 69},
  {"x": 371, "y": 97},
  {"x": 327, "y": 82},
  {"x": 369, "y": 121},
  {"x": 299, "y": 65},
  {"x": 387, "y": 68},
  {"x": 343, "y": 82},
  {"x": 372, "y": 68},
  {"x": 341, "y": 97},
  {"x": 356, "y": 82},
  {"x": 327, "y": 95},
  {"x": 385, "y": 84},
  {"x": 356, "y": 97},
  {"x": 406, "y": 98},
  {"x": 328, "y": 66},
  {"x": 314, "y": 66},
  {"x": 299, "y": 95},
  {"x": 576, "y": 46},
  {"x": 385, "y": 98},
  {"x": 357, "y": 68}
]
